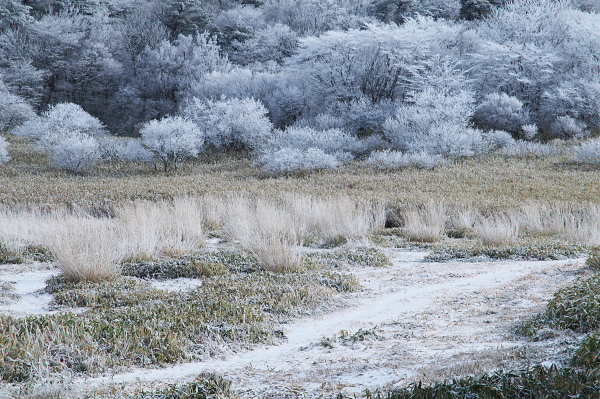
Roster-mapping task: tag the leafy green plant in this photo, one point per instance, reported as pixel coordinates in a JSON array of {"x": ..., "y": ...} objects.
[
  {"x": 366, "y": 257},
  {"x": 593, "y": 261},
  {"x": 588, "y": 353},
  {"x": 521, "y": 250},
  {"x": 537, "y": 382},
  {"x": 576, "y": 308},
  {"x": 204, "y": 387}
]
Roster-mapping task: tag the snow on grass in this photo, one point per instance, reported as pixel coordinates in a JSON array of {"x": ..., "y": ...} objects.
[{"x": 414, "y": 321}]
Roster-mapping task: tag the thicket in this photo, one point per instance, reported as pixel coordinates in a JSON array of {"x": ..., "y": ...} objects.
[{"x": 432, "y": 76}]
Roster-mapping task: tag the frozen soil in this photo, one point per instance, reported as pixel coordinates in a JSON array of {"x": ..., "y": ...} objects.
[{"x": 413, "y": 321}]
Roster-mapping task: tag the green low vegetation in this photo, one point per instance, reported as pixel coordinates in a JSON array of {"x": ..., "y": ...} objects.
[{"x": 128, "y": 322}]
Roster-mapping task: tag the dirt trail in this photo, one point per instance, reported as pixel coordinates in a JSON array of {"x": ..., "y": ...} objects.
[{"x": 414, "y": 320}]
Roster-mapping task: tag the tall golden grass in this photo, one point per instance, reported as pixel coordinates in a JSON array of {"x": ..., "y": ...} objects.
[{"x": 90, "y": 247}]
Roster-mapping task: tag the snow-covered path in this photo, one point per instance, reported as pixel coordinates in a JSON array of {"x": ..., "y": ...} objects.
[{"x": 414, "y": 320}]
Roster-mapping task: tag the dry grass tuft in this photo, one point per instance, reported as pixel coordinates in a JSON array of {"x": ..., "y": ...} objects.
[
  {"x": 332, "y": 218},
  {"x": 88, "y": 250},
  {"x": 462, "y": 220},
  {"x": 425, "y": 224},
  {"x": 265, "y": 228},
  {"x": 497, "y": 230}
]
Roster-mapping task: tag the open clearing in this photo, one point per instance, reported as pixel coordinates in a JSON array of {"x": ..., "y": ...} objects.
[{"x": 413, "y": 321}]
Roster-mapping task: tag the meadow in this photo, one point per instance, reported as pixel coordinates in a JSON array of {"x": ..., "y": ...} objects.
[{"x": 264, "y": 252}]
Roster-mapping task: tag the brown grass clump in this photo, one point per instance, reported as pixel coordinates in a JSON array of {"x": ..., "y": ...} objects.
[
  {"x": 88, "y": 250},
  {"x": 425, "y": 224},
  {"x": 497, "y": 230},
  {"x": 336, "y": 218},
  {"x": 265, "y": 228}
]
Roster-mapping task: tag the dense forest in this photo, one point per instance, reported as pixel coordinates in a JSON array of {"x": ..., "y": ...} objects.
[{"x": 297, "y": 84}]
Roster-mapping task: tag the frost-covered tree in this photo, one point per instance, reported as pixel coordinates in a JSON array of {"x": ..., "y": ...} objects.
[
  {"x": 172, "y": 140},
  {"x": 477, "y": 9},
  {"x": 379, "y": 63},
  {"x": 272, "y": 43},
  {"x": 14, "y": 14},
  {"x": 164, "y": 75},
  {"x": 398, "y": 11},
  {"x": 435, "y": 122},
  {"x": 578, "y": 99},
  {"x": 59, "y": 120},
  {"x": 4, "y": 157},
  {"x": 13, "y": 110},
  {"x": 529, "y": 48},
  {"x": 313, "y": 17},
  {"x": 233, "y": 123},
  {"x": 135, "y": 33}
]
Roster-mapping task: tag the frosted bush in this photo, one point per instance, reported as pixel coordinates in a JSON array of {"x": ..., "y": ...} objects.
[
  {"x": 388, "y": 160},
  {"x": 565, "y": 127},
  {"x": 237, "y": 123},
  {"x": 273, "y": 43},
  {"x": 172, "y": 140},
  {"x": 286, "y": 161},
  {"x": 523, "y": 148},
  {"x": 4, "y": 157},
  {"x": 69, "y": 134},
  {"x": 76, "y": 151},
  {"x": 588, "y": 152},
  {"x": 502, "y": 112},
  {"x": 580, "y": 99},
  {"x": 61, "y": 119},
  {"x": 127, "y": 150},
  {"x": 529, "y": 131},
  {"x": 302, "y": 138},
  {"x": 498, "y": 139}
]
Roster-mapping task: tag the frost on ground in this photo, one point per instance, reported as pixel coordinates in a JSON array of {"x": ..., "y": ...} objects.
[
  {"x": 28, "y": 297},
  {"x": 414, "y": 321}
]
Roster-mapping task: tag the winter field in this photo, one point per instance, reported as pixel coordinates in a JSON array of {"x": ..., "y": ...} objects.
[
  {"x": 299, "y": 199},
  {"x": 338, "y": 282}
]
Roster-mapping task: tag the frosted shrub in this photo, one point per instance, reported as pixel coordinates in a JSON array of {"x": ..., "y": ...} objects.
[
  {"x": 302, "y": 138},
  {"x": 233, "y": 123},
  {"x": 565, "y": 127},
  {"x": 61, "y": 119},
  {"x": 4, "y": 157},
  {"x": 286, "y": 161},
  {"x": 76, "y": 152},
  {"x": 396, "y": 160},
  {"x": 126, "y": 150},
  {"x": 437, "y": 122},
  {"x": 580, "y": 99},
  {"x": 498, "y": 139},
  {"x": 523, "y": 148},
  {"x": 69, "y": 134},
  {"x": 172, "y": 140},
  {"x": 588, "y": 152},
  {"x": 501, "y": 111},
  {"x": 529, "y": 131},
  {"x": 273, "y": 43}
]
